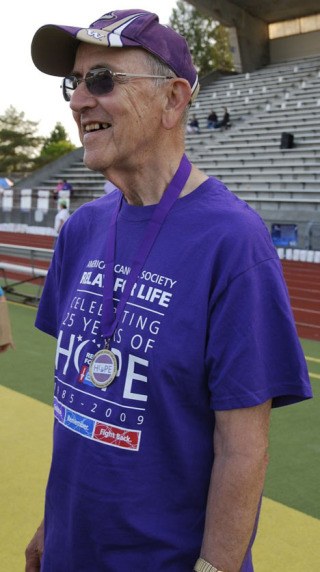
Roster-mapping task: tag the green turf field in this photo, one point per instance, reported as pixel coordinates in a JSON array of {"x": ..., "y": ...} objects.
[
  {"x": 28, "y": 369},
  {"x": 293, "y": 474},
  {"x": 289, "y": 531}
]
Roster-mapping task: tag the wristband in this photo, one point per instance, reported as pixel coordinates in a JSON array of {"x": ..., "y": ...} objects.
[{"x": 204, "y": 566}]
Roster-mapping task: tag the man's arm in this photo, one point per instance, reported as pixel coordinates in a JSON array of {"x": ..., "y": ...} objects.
[
  {"x": 34, "y": 550},
  {"x": 237, "y": 478}
]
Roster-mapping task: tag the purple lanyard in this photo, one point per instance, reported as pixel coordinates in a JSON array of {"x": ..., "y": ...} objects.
[{"x": 110, "y": 319}]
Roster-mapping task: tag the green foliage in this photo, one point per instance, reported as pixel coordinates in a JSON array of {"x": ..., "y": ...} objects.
[
  {"x": 22, "y": 150},
  {"x": 56, "y": 145},
  {"x": 58, "y": 134},
  {"x": 19, "y": 143},
  {"x": 208, "y": 41}
]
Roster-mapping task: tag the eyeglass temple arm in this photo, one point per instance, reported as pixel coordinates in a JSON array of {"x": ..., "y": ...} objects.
[{"x": 124, "y": 75}]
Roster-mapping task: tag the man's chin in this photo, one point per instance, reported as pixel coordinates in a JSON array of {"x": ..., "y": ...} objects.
[{"x": 92, "y": 161}]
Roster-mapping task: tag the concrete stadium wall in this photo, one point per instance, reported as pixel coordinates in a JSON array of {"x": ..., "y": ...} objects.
[
  {"x": 249, "y": 35},
  {"x": 291, "y": 47}
]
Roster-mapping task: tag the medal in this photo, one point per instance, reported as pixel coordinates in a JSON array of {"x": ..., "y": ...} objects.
[{"x": 103, "y": 368}]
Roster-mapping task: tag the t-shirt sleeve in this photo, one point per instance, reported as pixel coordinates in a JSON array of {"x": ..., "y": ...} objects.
[
  {"x": 253, "y": 351},
  {"x": 47, "y": 315}
]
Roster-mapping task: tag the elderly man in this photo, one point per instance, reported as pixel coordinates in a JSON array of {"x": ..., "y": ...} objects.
[{"x": 172, "y": 322}]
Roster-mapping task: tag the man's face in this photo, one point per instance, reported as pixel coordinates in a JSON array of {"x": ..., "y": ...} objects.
[{"x": 121, "y": 129}]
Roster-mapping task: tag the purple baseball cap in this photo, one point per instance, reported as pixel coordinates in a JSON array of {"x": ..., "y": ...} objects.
[{"x": 54, "y": 47}]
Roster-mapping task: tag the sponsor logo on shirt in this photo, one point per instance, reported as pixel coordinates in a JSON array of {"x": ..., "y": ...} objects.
[
  {"x": 79, "y": 423},
  {"x": 117, "y": 436},
  {"x": 59, "y": 410},
  {"x": 104, "y": 433},
  {"x": 84, "y": 376}
]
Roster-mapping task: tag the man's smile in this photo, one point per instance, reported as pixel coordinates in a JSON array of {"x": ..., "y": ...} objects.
[{"x": 95, "y": 127}]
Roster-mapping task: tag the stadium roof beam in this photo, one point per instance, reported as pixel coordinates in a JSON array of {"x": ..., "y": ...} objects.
[{"x": 249, "y": 20}]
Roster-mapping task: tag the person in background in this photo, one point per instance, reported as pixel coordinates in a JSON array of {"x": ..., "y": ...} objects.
[
  {"x": 225, "y": 121},
  {"x": 67, "y": 186},
  {"x": 63, "y": 191},
  {"x": 212, "y": 120},
  {"x": 172, "y": 320},
  {"x": 61, "y": 216},
  {"x": 6, "y": 341},
  {"x": 58, "y": 189},
  {"x": 193, "y": 125}
]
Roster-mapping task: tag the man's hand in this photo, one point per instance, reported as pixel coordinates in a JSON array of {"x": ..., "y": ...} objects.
[{"x": 34, "y": 550}]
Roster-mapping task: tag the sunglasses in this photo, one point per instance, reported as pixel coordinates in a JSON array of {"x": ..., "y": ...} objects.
[{"x": 100, "y": 81}]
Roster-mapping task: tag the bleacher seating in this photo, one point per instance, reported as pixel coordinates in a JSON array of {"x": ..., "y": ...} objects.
[{"x": 282, "y": 184}]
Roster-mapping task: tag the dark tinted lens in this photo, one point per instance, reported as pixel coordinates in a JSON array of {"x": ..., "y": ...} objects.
[
  {"x": 69, "y": 84},
  {"x": 99, "y": 82}
]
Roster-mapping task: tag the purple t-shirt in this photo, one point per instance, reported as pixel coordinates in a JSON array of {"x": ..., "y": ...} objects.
[{"x": 206, "y": 328}]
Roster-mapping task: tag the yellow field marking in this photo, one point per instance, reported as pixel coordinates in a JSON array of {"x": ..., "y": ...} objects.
[
  {"x": 314, "y": 375},
  {"x": 313, "y": 359},
  {"x": 25, "y": 444},
  {"x": 287, "y": 540}
]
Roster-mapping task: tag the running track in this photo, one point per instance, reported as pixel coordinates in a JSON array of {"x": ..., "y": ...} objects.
[
  {"x": 303, "y": 281},
  {"x": 302, "y": 278}
]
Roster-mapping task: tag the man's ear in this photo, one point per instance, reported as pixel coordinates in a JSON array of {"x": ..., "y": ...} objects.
[{"x": 178, "y": 96}]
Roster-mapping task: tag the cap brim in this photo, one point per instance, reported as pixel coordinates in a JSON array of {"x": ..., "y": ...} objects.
[{"x": 53, "y": 49}]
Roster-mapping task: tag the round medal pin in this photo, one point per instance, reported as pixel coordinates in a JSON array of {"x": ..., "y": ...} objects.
[{"x": 103, "y": 368}]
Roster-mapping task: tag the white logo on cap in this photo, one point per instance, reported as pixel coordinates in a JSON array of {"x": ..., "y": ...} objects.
[{"x": 95, "y": 34}]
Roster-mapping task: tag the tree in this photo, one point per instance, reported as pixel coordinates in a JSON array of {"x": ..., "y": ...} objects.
[
  {"x": 58, "y": 134},
  {"x": 19, "y": 143},
  {"x": 55, "y": 146},
  {"x": 208, "y": 40}
]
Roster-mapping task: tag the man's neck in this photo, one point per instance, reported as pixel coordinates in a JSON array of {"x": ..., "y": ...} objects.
[{"x": 145, "y": 186}]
